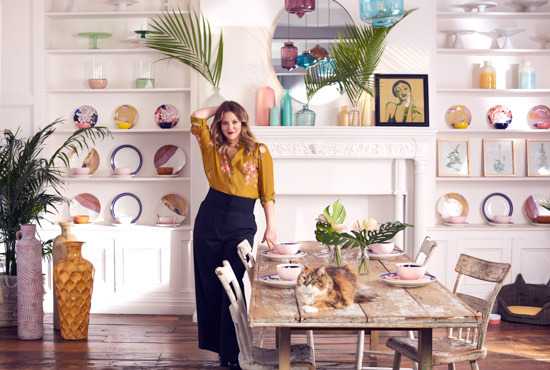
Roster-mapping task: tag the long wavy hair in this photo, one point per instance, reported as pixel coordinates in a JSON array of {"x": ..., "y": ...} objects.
[{"x": 247, "y": 138}]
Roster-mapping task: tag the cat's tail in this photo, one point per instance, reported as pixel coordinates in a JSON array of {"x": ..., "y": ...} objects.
[{"x": 365, "y": 294}]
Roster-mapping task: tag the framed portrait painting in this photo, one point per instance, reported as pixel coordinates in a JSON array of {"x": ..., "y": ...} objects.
[
  {"x": 499, "y": 157},
  {"x": 401, "y": 100},
  {"x": 538, "y": 157},
  {"x": 453, "y": 157}
]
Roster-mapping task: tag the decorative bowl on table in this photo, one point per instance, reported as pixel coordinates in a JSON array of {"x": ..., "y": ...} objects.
[
  {"x": 287, "y": 248},
  {"x": 410, "y": 271},
  {"x": 289, "y": 271},
  {"x": 382, "y": 248}
]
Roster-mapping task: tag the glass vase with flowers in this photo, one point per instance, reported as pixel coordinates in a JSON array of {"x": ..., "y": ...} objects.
[{"x": 330, "y": 230}]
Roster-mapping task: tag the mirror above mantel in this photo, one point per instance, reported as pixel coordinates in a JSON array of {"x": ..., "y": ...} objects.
[{"x": 319, "y": 27}]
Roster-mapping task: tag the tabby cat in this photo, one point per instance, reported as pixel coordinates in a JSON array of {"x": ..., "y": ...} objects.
[{"x": 329, "y": 287}]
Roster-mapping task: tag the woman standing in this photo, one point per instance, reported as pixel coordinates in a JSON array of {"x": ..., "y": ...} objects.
[{"x": 239, "y": 171}]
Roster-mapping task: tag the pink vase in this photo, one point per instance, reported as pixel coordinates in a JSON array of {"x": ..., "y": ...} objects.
[
  {"x": 266, "y": 101},
  {"x": 30, "y": 315}
]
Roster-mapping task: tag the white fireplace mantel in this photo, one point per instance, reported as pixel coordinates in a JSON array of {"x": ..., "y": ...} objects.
[{"x": 306, "y": 149}]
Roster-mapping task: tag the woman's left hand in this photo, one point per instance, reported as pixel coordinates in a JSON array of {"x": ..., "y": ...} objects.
[{"x": 270, "y": 237}]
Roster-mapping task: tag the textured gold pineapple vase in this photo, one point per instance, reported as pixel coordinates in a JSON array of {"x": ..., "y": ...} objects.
[{"x": 74, "y": 284}]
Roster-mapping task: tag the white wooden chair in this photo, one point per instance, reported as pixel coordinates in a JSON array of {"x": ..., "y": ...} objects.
[
  {"x": 467, "y": 344},
  {"x": 250, "y": 356},
  {"x": 423, "y": 256}
]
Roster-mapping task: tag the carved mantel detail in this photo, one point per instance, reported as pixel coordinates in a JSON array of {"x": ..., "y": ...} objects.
[{"x": 290, "y": 149}]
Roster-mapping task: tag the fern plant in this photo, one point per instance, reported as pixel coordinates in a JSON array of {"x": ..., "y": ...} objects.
[
  {"x": 189, "y": 41},
  {"x": 30, "y": 184}
]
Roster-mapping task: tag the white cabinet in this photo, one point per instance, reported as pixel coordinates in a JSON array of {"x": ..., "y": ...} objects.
[{"x": 141, "y": 268}]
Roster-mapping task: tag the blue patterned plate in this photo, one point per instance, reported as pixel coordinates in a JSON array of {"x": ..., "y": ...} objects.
[
  {"x": 275, "y": 281},
  {"x": 496, "y": 204},
  {"x": 85, "y": 116},
  {"x": 127, "y": 156},
  {"x": 126, "y": 204}
]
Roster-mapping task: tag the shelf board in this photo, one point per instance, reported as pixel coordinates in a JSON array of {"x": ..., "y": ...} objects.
[
  {"x": 487, "y": 227},
  {"x": 489, "y": 14},
  {"x": 134, "y": 131},
  {"x": 133, "y": 179},
  {"x": 492, "y": 51},
  {"x": 120, "y": 14},
  {"x": 101, "y": 51},
  {"x": 495, "y": 91},
  {"x": 133, "y": 90},
  {"x": 491, "y": 178},
  {"x": 492, "y": 131}
]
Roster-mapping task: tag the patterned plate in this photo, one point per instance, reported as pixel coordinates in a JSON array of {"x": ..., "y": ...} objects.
[
  {"x": 452, "y": 204},
  {"x": 496, "y": 204},
  {"x": 127, "y": 156},
  {"x": 275, "y": 281},
  {"x": 126, "y": 116},
  {"x": 167, "y": 116},
  {"x": 85, "y": 204},
  {"x": 272, "y": 255},
  {"x": 533, "y": 209},
  {"x": 393, "y": 279},
  {"x": 170, "y": 156},
  {"x": 395, "y": 253},
  {"x": 499, "y": 115},
  {"x": 458, "y": 113},
  {"x": 539, "y": 114},
  {"x": 91, "y": 160},
  {"x": 85, "y": 116},
  {"x": 173, "y": 205},
  {"x": 126, "y": 204}
]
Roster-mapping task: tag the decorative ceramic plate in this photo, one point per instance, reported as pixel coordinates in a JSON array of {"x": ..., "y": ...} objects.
[
  {"x": 455, "y": 225},
  {"x": 170, "y": 156},
  {"x": 496, "y": 224},
  {"x": 452, "y": 204},
  {"x": 126, "y": 116},
  {"x": 173, "y": 205},
  {"x": 127, "y": 156},
  {"x": 499, "y": 115},
  {"x": 85, "y": 204},
  {"x": 458, "y": 113},
  {"x": 275, "y": 281},
  {"x": 395, "y": 253},
  {"x": 393, "y": 279},
  {"x": 91, "y": 160},
  {"x": 539, "y": 115},
  {"x": 85, "y": 116},
  {"x": 533, "y": 209},
  {"x": 126, "y": 204},
  {"x": 273, "y": 255},
  {"x": 496, "y": 204},
  {"x": 167, "y": 116}
]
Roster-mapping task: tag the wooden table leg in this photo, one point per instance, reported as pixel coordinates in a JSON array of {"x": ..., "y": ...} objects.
[
  {"x": 425, "y": 349},
  {"x": 284, "y": 348}
]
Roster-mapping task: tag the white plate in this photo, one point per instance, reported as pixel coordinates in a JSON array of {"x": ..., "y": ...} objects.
[
  {"x": 539, "y": 224},
  {"x": 393, "y": 279},
  {"x": 127, "y": 156},
  {"x": 122, "y": 176},
  {"x": 496, "y": 224},
  {"x": 165, "y": 176},
  {"x": 455, "y": 225},
  {"x": 122, "y": 225},
  {"x": 496, "y": 204},
  {"x": 276, "y": 282},
  {"x": 395, "y": 253},
  {"x": 282, "y": 257},
  {"x": 166, "y": 225}
]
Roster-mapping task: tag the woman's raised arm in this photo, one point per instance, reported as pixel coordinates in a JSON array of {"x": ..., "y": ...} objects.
[{"x": 206, "y": 112}]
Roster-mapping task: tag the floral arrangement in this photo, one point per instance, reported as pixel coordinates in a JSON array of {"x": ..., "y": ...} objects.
[{"x": 330, "y": 230}]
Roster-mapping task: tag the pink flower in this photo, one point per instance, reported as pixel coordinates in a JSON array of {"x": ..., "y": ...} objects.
[
  {"x": 225, "y": 167},
  {"x": 322, "y": 218},
  {"x": 339, "y": 227},
  {"x": 356, "y": 226},
  {"x": 252, "y": 169}
]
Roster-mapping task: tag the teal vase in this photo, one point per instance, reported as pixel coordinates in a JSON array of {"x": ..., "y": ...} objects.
[
  {"x": 274, "y": 119},
  {"x": 305, "y": 117},
  {"x": 286, "y": 108}
]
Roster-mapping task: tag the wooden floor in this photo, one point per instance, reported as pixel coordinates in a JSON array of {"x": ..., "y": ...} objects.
[{"x": 143, "y": 341}]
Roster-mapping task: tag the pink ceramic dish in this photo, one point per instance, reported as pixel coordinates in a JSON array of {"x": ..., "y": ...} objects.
[
  {"x": 287, "y": 248},
  {"x": 289, "y": 271},
  {"x": 167, "y": 219},
  {"x": 457, "y": 219},
  {"x": 382, "y": 248},
  {"x": 81, "y": 171},
  {"x": 123, "y": 171},
  {"x": 410, "y": 271},
  {"x": 502, "y": 219}
]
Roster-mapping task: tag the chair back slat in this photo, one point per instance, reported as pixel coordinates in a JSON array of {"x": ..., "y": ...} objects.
[
  {"x": 426, "y": 250},
  {"x": 244, "y": 251}
]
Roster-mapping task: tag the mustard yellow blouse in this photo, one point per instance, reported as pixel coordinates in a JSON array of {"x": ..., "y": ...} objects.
[{"x": 243, "y": 175}]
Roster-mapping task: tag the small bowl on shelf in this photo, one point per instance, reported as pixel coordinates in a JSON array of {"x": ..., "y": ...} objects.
[
  {"x": 81, "y": 171},
  {"x": 461, "y": 125},
  {"x": 167, "y": 220},
  {"x": 382, "y": 248},
  {"x": 81, "y": 219},
  {"x": 124, "y": 220},
  {"x": 543, "y": 125},
  {"x": 457, "y": 219},
  {"x": 123, "y": 171},
  {"x": 165, "y": 170},
  {"x": 543, "y": 219},
  {"x": 287, "y": 248},
  {"x": 410, "y": 271},
  {"x": 500, "y": 219},
  {"x": 501, "y": 126},
  {"x": 123, "y": 125},
  {"x": 289, "y": 271}
]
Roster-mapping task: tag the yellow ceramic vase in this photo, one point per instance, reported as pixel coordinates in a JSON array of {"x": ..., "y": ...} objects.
[{"x": 74, "y": 283}]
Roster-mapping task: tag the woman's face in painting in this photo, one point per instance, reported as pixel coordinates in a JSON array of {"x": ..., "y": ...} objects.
[
  {"x": 231, "y": 127},
  {"x": 402, "y": 91}
]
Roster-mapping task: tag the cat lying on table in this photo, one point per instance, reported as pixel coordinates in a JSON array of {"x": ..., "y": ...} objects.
[{"x": 329, "y": 287}]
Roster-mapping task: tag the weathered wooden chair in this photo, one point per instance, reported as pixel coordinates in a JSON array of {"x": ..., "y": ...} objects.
[
  {"x": 423, "y": 256},
  {"x": 250, "y": 356},
  {"x": 245, "y": 253},
  {"x": 467, "y": 344}
]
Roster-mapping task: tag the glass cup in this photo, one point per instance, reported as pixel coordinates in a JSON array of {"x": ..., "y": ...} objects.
[
  {"x": 97, "y": 75},
  {"x": 145, "y": 78}
]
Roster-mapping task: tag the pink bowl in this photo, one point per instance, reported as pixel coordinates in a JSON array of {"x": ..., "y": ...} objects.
[
  {"x": 457, "y": 219},
  {"x": 543, "y": 125},
  {"x": 410, "y": 271},
  {"x": 502, "y": 219},
  {"x": 287, "y": 248},
  {"x": 382, "y": 248},
  {"x": 81, "y": 171},
  {"x": 123, "y": 171},
  {"x": 289, "y": 271},
  {"x": 167, "y": 219}
]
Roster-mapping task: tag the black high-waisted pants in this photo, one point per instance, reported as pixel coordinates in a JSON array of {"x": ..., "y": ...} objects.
[{"x": 223, "y": 221}]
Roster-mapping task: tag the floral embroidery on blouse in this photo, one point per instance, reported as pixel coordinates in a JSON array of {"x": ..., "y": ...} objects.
[
  {"x": 210, "y": 172},
  {"x": 225, "y": 167}
]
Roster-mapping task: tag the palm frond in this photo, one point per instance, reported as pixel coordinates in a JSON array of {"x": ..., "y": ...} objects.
[{"x": 188, "y": 40}]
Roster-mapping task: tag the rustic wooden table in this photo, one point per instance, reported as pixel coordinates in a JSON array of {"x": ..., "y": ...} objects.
[{"x": 420, "y": 308}]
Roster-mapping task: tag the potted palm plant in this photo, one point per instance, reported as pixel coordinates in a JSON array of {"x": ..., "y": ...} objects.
[{"x": 31, "y": 185}]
